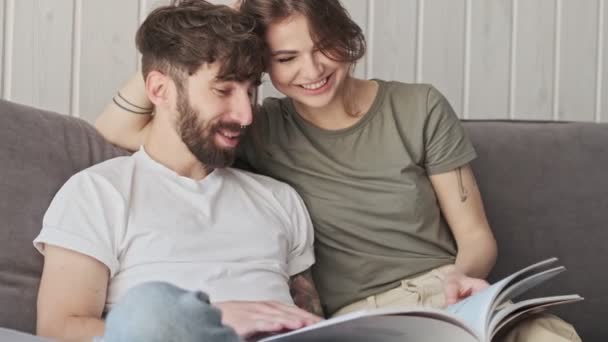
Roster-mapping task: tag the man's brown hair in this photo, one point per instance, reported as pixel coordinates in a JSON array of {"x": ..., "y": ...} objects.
[{"x": 179, "y": 38}]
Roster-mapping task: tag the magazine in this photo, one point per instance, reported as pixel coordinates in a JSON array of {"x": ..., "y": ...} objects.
[{"x": 477, "y": 318}]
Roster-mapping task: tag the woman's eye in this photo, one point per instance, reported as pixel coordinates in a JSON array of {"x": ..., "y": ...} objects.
[{"x": 285, "y": 59}]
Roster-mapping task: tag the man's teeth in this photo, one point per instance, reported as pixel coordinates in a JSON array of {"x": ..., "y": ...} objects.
[
  {"x": 315, "y": 86},
  {"x": 229, "y": 134}
]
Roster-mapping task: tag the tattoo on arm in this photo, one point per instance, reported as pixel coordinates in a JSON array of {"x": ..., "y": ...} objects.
[
  {"x": 304, "y": 293},
  {"x": 464, "y": 194}
]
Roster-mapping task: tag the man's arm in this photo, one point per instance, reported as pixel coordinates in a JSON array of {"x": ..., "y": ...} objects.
[
  {"x": 123, "y": 121},
  {"x": 72, "y": 295},
  {"x": 304, "y": 293}
]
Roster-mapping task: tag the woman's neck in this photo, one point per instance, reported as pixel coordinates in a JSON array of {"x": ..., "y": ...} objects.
[{"x": 341, "y": 113}]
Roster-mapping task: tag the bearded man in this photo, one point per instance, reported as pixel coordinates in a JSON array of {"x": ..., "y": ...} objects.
[{"x": 174, "y": 212}]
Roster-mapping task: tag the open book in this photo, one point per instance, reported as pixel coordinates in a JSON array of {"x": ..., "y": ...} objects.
[{"x": 477, "y": 318}]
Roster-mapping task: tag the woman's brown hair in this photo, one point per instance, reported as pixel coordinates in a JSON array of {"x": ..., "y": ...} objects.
[{"x": 334, "y": 32}]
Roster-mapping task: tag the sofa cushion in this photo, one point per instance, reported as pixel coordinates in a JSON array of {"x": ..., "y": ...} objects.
[
  {"x": 39, "y": 151},
  {"x": 545, "y": 191}
]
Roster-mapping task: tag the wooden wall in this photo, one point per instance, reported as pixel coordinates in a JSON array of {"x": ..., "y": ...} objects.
[{"x": 518, "y": 59}]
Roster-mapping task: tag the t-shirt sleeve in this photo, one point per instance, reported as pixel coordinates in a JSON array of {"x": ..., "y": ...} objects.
[
  {"x": 301, "y": 252},
  {"x": 82, "y": 217},
  {"x": 252, "y": 146},
  {"x": 446, "y": 144}
]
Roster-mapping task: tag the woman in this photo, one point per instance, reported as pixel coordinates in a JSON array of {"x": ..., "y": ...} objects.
[{"x": 382, "y": 166}]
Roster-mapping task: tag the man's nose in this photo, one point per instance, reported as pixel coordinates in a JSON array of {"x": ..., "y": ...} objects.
[{"x": 242, "y": 110}]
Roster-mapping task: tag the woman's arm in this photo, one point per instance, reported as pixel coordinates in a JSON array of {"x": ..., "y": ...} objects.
[
  {"x": 462, "y": 207},
  {"x": 126, "y": 119}
]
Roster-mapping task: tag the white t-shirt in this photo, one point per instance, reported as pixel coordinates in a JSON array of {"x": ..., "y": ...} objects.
[{"x": 234, "y": 234}]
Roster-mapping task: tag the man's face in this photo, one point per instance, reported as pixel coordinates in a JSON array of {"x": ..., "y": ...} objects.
[{"x": 212, "y": 116}]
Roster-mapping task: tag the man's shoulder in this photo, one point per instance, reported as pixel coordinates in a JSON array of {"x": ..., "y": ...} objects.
[
  {"x": 108, "y": 173},
  {"x": 255, "y": 178}
]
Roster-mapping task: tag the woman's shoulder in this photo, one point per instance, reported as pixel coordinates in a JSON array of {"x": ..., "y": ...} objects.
[
  {"x": 408, "y": 91},
  {"x": 272, "y": 106}
]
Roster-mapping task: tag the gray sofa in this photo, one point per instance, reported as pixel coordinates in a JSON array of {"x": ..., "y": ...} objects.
[{"x": 545, "y": 189}]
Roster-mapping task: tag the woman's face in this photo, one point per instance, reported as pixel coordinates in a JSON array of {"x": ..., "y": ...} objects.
[{"x": 298, "y": 69}]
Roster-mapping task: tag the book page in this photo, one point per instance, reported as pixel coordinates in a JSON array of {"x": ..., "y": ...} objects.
[
  {"x": 519, "y": 287},
  {"x": 516, "y": 310},
  {"x": 477, "y": 310},
  {"x": 385, "y": 328}
]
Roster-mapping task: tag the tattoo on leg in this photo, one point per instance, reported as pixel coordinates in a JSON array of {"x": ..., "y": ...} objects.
[{"x": 464, "y": 194}]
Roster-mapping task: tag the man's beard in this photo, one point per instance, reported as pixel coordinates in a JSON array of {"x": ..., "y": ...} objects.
[{"x": 199, "y": 136}]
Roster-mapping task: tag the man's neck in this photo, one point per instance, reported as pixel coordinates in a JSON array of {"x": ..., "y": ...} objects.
[{"x": 166, "y": 147}]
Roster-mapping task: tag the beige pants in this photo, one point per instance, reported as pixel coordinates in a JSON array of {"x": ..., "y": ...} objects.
[{"x": 427, "y": 291}]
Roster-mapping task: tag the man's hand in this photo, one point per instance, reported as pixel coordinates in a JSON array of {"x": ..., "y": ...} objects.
[
  {"x": 457, "y": 286},
  {"x": 251, "y": 318}
]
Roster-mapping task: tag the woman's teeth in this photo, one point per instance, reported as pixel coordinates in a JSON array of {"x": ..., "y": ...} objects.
[{"x": 316, "y": 85}]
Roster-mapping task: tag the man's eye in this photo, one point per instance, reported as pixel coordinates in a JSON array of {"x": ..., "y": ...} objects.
[{"x": 222, "y": 92}]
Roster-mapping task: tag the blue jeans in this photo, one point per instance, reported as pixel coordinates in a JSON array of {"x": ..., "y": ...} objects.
[{"x": 161, "y": 312}]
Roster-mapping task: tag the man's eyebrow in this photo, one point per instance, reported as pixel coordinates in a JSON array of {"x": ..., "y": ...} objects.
[{"x": 219, "y": 81}]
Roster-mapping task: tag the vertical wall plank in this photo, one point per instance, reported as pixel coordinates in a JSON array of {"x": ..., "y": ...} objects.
[
  {"x": 393, "y": 41},
  {"x": 578, "y": 74},
  {"x": 603, "y": 89},
  {"x": 2, "y": 52},
  {"x": 41, "y": 57},
  {"x": 490, "y": 59},
  {"x": 443, "y": 48},
  {"x": 149, "y": 5},
  {"x": 223, "y": 2},
  {"x": 108, "y": 51},
  {"x": 534, "y": 54},
  {"x": 358, "y": 10}
]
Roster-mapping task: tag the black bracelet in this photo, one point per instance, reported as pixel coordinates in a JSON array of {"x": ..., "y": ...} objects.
[
  {"x": 131, "y": 104},
  {"x": 130, "y": 110}
]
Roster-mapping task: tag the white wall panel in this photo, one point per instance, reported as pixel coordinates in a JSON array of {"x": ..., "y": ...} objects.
[
  {"x": 2, "y": 23},
  {"x": 534, "y": 59},
  {"x": 490, "y": 51},
  {"x": 148, "y": 5},
  {"x": 358, "y": 10},
  {"x": 392, "y": 44},
  {"x": 442, "y": 55},
  {"x": 41, "y": 53},
  {"x": 602, "y": 91},
  {"x": 578, "y": 62},
  {"x": 108, "y": 56}
]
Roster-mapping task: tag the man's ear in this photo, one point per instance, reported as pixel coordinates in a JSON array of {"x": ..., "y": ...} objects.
[{"x": 158, "y": 88}]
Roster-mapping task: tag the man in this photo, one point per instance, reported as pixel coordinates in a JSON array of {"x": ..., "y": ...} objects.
[{"x": 173, "y": 211}]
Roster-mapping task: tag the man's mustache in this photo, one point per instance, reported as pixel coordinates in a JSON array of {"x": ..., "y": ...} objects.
[{"x": 234, "y": 127}]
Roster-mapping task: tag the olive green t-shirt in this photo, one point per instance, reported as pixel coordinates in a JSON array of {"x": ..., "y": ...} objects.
[{"x": 366, "y": 187}]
